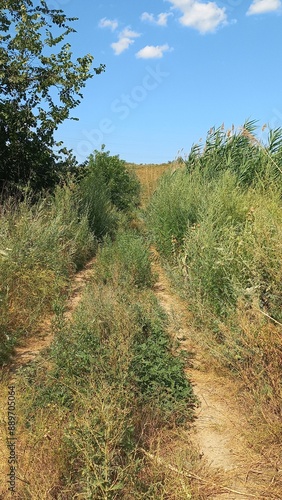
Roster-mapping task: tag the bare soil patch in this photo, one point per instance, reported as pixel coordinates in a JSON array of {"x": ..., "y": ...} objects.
[{"x": 231, "y": 469}]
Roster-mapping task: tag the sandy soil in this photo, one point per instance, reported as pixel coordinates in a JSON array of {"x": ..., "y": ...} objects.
[{"x": 221, "y": 428}]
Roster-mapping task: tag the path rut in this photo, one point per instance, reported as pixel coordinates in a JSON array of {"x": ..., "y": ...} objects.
[
  {"x": 217, "y": 433},
  {"x": 32, "y": 346}
]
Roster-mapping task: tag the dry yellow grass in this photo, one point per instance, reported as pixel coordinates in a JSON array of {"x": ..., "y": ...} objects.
[{"x": 149, "y": 175}]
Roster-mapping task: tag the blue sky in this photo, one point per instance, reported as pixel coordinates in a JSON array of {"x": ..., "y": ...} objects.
[{"x": 174, "y": 69}]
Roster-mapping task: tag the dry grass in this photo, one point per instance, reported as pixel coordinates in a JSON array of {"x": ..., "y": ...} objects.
[
  {"x": 149, "y": 175},
  {"x": 81, "y": 424}
]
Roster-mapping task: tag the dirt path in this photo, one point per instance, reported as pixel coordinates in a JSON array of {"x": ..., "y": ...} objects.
[
  {"x": 32, "y": 346},
  {"x": 234, "y": 471},
  {"x": 220, "y": 430}
]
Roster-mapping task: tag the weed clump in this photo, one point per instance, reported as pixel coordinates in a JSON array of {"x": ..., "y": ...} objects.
[
  {"x": 125, "y": 261},
  {"x": 158, "y": 374},
  {"x": 42, "y": 245}
]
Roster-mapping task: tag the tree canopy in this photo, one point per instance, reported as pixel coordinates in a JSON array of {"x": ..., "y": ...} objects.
[{"x": 40, "y": 84}]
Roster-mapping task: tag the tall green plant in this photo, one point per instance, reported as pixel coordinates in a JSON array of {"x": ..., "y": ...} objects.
[
  {"x": 174, "y": 205},
  {"x": 122, "y": 184},
  {"x": 241, "y": 153},
  {"x": 96, "y": 203},
  {"x": 40, "y": 84}
]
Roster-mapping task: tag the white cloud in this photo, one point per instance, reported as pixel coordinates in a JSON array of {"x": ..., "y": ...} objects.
[
  {"x": 152, "y": 52},
  {"x": 161, "y": 19},
  {"x": 204, "y": 17},
  {"x": 129, "y": 33},
  {"x": 108, "y": 23},
  {"x": 262, "y": 6},
  {"x": 147, "y": 17},
  {"x": 125, "y": 39}
]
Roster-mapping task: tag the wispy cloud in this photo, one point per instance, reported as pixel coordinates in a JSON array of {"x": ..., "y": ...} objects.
[
  {"x": 125, "y": 39},
  {"x": 263, "y": 6},
  {"x": 160, "y": 20},
  {"x": 204, "y": 17},
  {"x": 153, "y": 51},
  {"x": 108, "y": 23}
]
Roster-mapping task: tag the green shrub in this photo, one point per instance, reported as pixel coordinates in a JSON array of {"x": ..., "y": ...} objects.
[
  {"x": 122, "y": 185},
  {"x": 95, "y": 201}
]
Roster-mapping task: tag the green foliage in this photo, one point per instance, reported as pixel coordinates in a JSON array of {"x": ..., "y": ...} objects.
[
  {"x": 175, "y": 205},
  {"x": 110, "y": 369},
  {"x": 221, "y": 246},
  {"x": 107, "y": 190},
  {"x": 211, "y": 249},
  {"x": 41, "y": 246},
  {"x": 39, "y": 86},
  {"x": 89, "y": 378},
  {"x": 95, "y": 201},
  {"x": 241, "y": 154},
  {"x": 122, "y": 185},
  {"x": 126, "y": 261},
  {"x": 158, "y": 374},
  {"x": 225, "y": 253}
]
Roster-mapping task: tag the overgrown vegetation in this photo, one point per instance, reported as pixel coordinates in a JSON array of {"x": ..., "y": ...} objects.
[
  {"x": 112, "y": 377},
  {"x": 108, "y": 188},
  {"x": 218, "y": 220},
  {"x": 42, "y": 244},
  {"x": 41, "y": 247},
  {"x": 95, "y": 408},
  {"x": 89, "y": 409},
  {"x": 112, "y": 381}
]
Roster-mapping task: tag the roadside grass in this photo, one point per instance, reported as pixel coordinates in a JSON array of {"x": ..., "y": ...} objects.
[
  {"x": 218, "y": 223},
  {"x": 101, "y": 413},
  {"x": 93, "y": 405},
  {"x": 42, "y": 245}
]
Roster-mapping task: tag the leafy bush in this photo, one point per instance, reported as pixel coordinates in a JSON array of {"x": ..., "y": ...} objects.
[
  {"x": 122, "y": 185},
  {"x": 96, "y": 203},
  {"x": 107, "y": 189}
]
